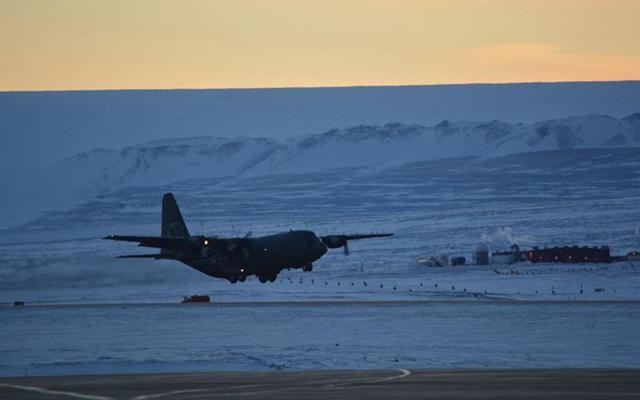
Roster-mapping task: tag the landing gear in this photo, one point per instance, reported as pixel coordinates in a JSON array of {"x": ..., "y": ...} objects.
[
  {"x": 233, "y": 279},
  {"x": 307, "y": 268},
  {"x": 268, "y": 278},
  {"x": 242, "y": 277}
]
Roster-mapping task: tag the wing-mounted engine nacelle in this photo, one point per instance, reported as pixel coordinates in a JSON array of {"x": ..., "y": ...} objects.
[{"x": 334, "y": 241}]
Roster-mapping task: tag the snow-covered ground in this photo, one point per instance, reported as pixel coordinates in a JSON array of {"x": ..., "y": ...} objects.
[
  {"x": 204, "y": 337},
  {"x": 123, "y": 138},
  {"x": 520, "y": 282},
  {"x": 441, "y": 187},
  {"x": 584, "y": 197}
]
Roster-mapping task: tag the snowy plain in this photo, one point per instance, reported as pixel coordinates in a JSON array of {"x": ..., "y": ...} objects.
[
  {"x": 547, "y": 177},
  {"x": 87, "y": 339}
]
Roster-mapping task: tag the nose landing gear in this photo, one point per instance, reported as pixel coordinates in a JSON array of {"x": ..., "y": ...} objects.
[
  {"x": 238, "y": 278},
  {"x": 307, "y": 268},
  {"x": 268, "y": 277}
]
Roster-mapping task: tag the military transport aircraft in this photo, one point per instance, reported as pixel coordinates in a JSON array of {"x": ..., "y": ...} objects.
[{"x": 236, "y": 258}]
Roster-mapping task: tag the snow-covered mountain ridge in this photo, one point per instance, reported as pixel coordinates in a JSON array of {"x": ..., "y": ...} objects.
[{"x": 165, "y": 161}]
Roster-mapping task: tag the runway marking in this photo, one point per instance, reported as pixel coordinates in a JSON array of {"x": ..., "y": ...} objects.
[
  {"x": 330, "y": 384},
  {"x": 209, "y": 392},
  {"x": 258, "y": 392},
  {"x": 158, "y": 395},
  {"x": 55, "y": 392},
  {"x": 347, "y": 382},
  {"x": 404, "y": 374}
]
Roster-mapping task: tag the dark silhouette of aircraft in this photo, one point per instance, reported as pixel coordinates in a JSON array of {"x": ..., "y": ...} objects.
[{"x": 237, "y": 258}]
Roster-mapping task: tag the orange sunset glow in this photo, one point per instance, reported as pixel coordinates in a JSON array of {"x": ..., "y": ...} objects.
[{"x": 123, "y": 44}]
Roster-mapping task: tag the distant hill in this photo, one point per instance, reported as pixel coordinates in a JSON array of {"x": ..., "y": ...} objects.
[
  {"x": 124, "y": 138},
  {"x": 41, "y": 127},
  {"x": 165, "y": 161}
]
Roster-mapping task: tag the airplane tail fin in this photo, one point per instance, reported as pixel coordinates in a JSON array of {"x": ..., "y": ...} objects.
[{"x": 172, "y": 223}]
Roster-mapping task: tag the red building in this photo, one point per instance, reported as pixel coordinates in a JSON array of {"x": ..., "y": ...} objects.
[{"x": 569, "y": 254}]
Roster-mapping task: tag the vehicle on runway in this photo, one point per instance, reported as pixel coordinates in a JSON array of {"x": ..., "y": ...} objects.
[{"x": 237, "y": 258}]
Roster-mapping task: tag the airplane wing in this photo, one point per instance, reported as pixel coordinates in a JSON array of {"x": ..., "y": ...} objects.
[
  {"x": 154, "y": 256},
  {"x": 185, "y": 244},
  {"x": 336, "y": 241},
  {"x": 175, "y": 243},
  {"x": 339, "y": 239}
]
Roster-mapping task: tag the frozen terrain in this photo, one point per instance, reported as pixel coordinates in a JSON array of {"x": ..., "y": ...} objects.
[
  {"x": 166, "y": 161},
  {"x": 39, "y": 129},
  {"x": 47, "y": 126},
  {"x": 585, "y": 197},
  {"x": 156, "y": 338},
  {"x": 555, "y": 173},
  {"x": 83, "y": 176}
]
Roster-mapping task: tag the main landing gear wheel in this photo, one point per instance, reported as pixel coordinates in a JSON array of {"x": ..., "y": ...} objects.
[
  {"x": 272, "y": 278},
  {"x": 307, "y": 268},
  {"x": 242, "y": 277},
  {"x": 263, "y": 279},
  {"x": 233, "y": 279}
]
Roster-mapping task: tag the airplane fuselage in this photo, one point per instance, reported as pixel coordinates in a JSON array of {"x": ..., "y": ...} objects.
[{"x": 262, "y": 256}]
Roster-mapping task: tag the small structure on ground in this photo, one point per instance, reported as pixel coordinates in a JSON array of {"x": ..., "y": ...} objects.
[
  {"x": 434, "y": 261},
  {"x": 196, "y": 299},
  {"x": 458, "y": 260},
  {"x": 570, "y": 254},
  {"x": 507, "y": 257},
  {"x": 481, "y": 255}
]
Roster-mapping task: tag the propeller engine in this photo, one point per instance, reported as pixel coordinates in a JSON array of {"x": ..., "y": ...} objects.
[
  {"x": 227, "y": 246},
  {"x": 239, "y": 243},
  {"x": 337, "y": 241}
]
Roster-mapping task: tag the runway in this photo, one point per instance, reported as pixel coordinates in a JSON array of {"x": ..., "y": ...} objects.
[{"x": 335, "y": 384}]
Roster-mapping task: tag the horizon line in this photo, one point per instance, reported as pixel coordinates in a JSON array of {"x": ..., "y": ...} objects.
[{"x": 312, "y": 87}]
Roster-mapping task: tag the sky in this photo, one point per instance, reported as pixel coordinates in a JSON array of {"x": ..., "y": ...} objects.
[{"x": 158, "y": 44}]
